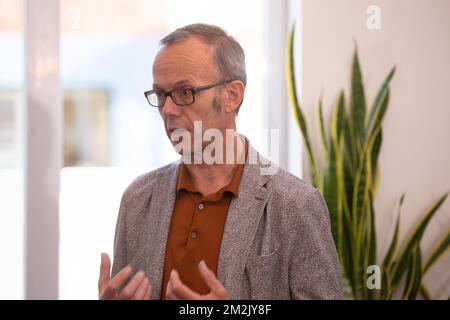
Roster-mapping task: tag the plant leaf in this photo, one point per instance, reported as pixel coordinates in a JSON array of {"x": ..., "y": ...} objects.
[
  {"x": 414, "y": 277},
  {"x": 425, "y": 293},
  {"x": 347, "y": 247},
  {"x": 361, "y": 186},
  {"x": 372, "y": 232},
  {"x": 370, "y": 243},
  {"x": 340, "y": 116},
  {"x": 372, "y": 132},
  {"x": 379, "y": 107},
  {"x": 322, "y": 125},
  {"x": 390, "y": 253},
  {"x": 359, "y": 214},
  {"x": 441, "y": 248},
  {"x": 374, "y": 158},
  {"x": 414, "y": 238},
  {"x": 385, "y": 286},
  {"x": 417, "y": 280},
  {"x": 357, "y": 102},
  {"x": 348, "y": 164},
  {"x": 291, "y": 84},
  {"x": 331, "y": 189}
]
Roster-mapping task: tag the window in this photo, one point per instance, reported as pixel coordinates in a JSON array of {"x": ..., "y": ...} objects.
[
  {"x": 11, "y": 127},
  {"x": 86, "y": 141}
]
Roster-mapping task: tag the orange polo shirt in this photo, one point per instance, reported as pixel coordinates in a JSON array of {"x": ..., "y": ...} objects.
[{"x": 196, "y": 230}]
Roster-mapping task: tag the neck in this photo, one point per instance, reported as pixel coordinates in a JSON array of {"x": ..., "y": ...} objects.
[{"x": 209, "y": 178}]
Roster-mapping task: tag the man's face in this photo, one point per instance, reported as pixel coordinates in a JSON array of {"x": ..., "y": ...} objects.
[{"x": 189, "y": 64}]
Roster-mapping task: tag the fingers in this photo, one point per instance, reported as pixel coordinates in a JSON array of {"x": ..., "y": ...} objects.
[
  {"x": 148, "y": 294},
  {"x": 109, "y": 291},
  {"x": 105, "y": 271},
  {"x": 143, "y": 290},
  {"x": 217, "y": 288},
  {"x": 177, "y": 290},
  {"x": 129, "y": 291}
]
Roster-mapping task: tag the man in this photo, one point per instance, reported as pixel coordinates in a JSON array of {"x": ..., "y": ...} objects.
[{"x": 202, "y": 229}]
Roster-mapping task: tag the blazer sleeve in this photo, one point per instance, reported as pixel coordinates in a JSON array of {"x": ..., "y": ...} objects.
[
  {"x": 120, "y": 237},
  {"x": 314, "y": 266}
]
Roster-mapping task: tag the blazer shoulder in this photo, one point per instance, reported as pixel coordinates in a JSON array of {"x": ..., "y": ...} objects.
[
  {"x": 147, "y": 181},
  {"x": 298, "y": 199},
  {"x": 292, "y": 188}
]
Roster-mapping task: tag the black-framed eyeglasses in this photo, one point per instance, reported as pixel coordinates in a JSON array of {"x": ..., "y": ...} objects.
[{"x": 181, "y": 97}]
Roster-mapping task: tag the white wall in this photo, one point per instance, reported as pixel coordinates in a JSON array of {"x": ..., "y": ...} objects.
[{"x": 415, "y": 156}]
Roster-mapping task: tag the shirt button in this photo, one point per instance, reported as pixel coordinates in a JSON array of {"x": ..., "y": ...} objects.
[
  {"x": 200, "y": 206},
  {"x": 193, "y": 234}
]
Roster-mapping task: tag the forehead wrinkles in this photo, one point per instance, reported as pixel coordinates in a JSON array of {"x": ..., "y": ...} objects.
[{"x": 177, "y": 63}]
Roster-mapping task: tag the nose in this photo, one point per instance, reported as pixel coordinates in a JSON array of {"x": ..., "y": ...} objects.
[{"x": 170, "y": 108}]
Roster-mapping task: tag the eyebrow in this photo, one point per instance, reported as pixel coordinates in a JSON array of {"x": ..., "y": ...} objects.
[{"x": 176, "y": 84}]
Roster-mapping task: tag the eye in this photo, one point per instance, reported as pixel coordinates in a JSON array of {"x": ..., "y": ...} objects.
[
  {"x": 184, "y": 93},
  {"x": 183, "y": 96},
  {"x": 159, "y": 94}
]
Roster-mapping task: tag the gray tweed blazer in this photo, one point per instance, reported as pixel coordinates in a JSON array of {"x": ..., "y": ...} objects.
[{"x": 276, "y": 244}]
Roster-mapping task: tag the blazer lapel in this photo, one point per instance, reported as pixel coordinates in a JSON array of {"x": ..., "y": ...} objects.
[
  {"x": 163, "y": 200},
  {"x": 240, "y": 227}
]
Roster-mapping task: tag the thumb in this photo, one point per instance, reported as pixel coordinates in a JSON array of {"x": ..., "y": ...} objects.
[
  {"x": 209, "y": 277},
  {"x": 105, "y": 271}
]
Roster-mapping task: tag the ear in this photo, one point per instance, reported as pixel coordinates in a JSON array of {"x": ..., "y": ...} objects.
[{"x": 234, "y": 94}]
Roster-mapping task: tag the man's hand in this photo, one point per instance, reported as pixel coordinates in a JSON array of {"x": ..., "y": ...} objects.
[
  {"x": 138, "y": 288},
  {"x": 177, "y": 290}
]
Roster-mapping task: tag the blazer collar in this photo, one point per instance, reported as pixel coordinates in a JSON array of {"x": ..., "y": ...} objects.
[
  {"x": 163, "y": 200},
  {"x": 241, "y": 224}
]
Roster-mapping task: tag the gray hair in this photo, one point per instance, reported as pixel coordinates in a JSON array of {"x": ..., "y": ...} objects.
[{"x": 228, "y": 53}]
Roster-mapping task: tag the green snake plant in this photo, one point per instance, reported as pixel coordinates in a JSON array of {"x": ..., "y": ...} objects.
[{"x": 348, "y": 182}]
